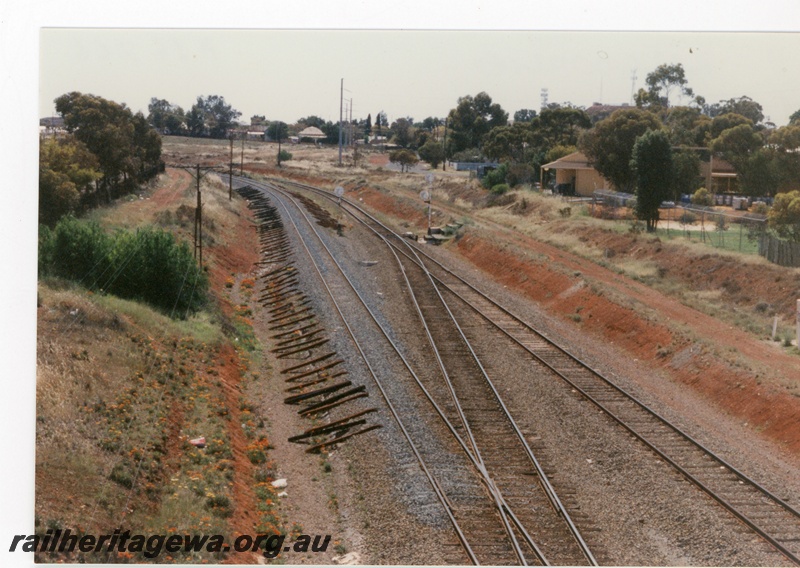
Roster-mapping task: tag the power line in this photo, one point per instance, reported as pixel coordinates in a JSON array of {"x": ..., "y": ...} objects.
[{"x": 198, "y": 172}]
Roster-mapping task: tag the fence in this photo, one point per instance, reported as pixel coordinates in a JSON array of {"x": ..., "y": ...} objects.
[
  {"x": 778, "y": 251},
  {"x": 722, "y": 229}
]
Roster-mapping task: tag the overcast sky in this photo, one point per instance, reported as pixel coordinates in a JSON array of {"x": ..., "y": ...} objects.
[{"x": 286, "y": 75}]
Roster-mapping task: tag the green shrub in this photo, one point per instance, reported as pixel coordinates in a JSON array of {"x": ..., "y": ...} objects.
[
  {"x": 687, "y": 218},
  {"x": 495, "y": 177},
  {"x": 284, "y": 156},
  {"x": 500, "y": 188},
  {"x": 80, "y": 251},
  {"x": 46, "y": 243},
  {"x": 432, "y": 152},
  {"x": 702, "y": 197},
  {"x": 158, "y": 270},
  {"x": 148, "y": 265}
]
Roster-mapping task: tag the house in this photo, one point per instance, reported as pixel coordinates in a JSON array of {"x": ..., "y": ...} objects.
[
  {"x": 312, "y": 132},
  {"x": 719, "y": 175},
  {"x": 256, "y": 134},
  {"x": 576, "y": 175}
]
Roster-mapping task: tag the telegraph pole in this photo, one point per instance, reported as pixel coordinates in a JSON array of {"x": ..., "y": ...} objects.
[
  {"x": 230, "y": 173},
  {"x": 341, "y": 104},
  {"x": 444, "y": 146},
  {"x": 278, "y": 134},
  {"x": 198, "y": 222},
  {"x": 198, "y": 172},
  {"x": 241, "y": 164}
]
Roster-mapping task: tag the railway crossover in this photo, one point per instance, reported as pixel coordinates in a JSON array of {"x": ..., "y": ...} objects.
[{"x": 466, "y": 401}]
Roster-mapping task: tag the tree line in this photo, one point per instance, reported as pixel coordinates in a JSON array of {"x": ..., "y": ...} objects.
[
  {"x": 108, "y": 152},
  {"x": 652, "y": 149}
]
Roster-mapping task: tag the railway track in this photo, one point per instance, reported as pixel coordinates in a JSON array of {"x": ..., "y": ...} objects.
[
  {"x": 488, "y": 529},
  {"x": 776, "y": 522}
]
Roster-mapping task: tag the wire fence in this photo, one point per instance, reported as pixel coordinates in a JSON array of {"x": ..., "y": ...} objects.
[{"x": 731, "y": 230}]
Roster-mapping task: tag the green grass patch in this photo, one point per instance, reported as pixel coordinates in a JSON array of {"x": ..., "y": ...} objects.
[
  {"x": 731, "y": 239},
  {"x": 200, "y": 326}
]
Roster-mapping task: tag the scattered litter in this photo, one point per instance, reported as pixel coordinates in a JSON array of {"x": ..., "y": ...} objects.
[
  {"x": 367, "y": 262},
  {"x": 348, "y": 559},
  {"x": 589, "y": 460},
  {"x": 198, "y": 442},
  {"x": 280, "y": 483},
  {"x": 283, "y": 494}
]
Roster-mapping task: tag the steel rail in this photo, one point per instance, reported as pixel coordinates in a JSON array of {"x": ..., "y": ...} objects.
[
  {"x": 543, "y": 479},
  {"x": 607, "y": 382},
  {"x": 434, "y": 483},
  {"x": 502, "y": 507}
]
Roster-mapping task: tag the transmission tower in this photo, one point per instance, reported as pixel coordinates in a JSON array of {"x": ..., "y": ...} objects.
[{"x": 544, "y": 97}]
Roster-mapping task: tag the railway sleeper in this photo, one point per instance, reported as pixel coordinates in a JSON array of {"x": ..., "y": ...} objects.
[
  {"x": 323, "y": 377},
  {"x": 282, "y": 298},
  {"x": 308, "y": 346},
  {"x": 317, "y": 405},
  {"x": 314, "y": 371},
  {"x": 297, "y": 300},
  {"x": 278, "y": 278},
  {"x": 279, "y": 293},
  {"x": 319, "y": 359},
  {"x": 276, "y": 303},
  {"x": 303, "y": 438},
  {"x": 273, "y": 289},
  {"x": 281, "y": 326},
  {"x": 319, "y": 447},
  {"x": 299, "y": 337},
  {"x": 294, "y": 399},
  {"x": 325, "y": 427},
  {"x": 299, "y": 330},
  {"x": 291, "y": 315},
  {"x": 327, "y": 407}
]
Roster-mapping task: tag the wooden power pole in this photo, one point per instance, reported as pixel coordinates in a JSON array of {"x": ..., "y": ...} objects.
[
  {"x": 198, "y": 223},
  {"x": 230, "y": 173}
]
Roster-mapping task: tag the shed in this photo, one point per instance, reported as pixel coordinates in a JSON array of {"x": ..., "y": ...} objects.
[{"x": 576, "y": 171}]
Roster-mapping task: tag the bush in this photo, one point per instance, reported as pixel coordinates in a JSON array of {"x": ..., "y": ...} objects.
[
  {"x": 147, "y": 265},
  {"x": 495, "y": 177},
  {"x": 284, "y": 156},
  {"x": 702, "y": 197},
  {"x": 500, "y": 188},
  {"x": 158, "y": 270},
  {"x": 406, "y": 159},
  {"x": 81, "y": 252},
  {"x": 432, "y": 152},
  {"x": 687, "y": 218}
]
